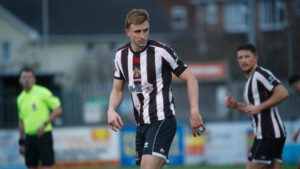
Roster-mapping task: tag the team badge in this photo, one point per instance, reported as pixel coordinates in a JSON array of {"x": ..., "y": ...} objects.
[
  {"x": 34, "y": 107},
  {"x": 136, "y": 73}
]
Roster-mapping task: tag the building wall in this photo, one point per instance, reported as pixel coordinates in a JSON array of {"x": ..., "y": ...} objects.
[
  {"x": 22, "y": 51},
  {"x": 210, "y": 41},
  {"x": 68, "y": 59}
]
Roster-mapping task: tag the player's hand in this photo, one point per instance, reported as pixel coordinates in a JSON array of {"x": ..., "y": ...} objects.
[
  {"x": 21, "y": 149},
  {"x": 196, "y": 123},
  {"x": 252, "y": 110},
  {"x": 41, "y": 131},
  {"x": 295, "y": 136},
  {"x": 229, "y": 101},
  {"x": 114, "y": 120}
]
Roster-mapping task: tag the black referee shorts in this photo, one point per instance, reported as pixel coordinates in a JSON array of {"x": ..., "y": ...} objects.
[
  {"x": 39, "y": 149},
  {"x": 155, "y": 138},
  {"x": 267, "y": 150}
]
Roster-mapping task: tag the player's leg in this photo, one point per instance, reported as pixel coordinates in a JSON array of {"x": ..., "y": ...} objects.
[
  {"x": 275, "y": 165},
  {"x": 152, "y": 162},
  {"x": 266, "y": 152},
  {"x": 31, "y": 152},
  {"x": 276, "y": 153},
  {"x": 139, "y": 143},
  {"x": 257, "y": 158},
  {"x": 46, "y": 167},
  {"x": 158, "y": 139},
  {"x": 253, "y": 165},
  {"x": 46, "y": 150}
]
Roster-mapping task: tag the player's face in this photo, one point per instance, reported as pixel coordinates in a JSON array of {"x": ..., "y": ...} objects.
[
  {"x": 247, "y": 60},
  {"x": 296, "y": 86},
  {"x": 27, "y": 80},
  {"x": 138, "y": 34}
]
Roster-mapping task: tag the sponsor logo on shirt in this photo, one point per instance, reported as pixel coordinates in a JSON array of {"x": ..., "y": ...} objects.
[
  {"x": 146, "y": 88},
  {"x": 271, "y": 79},
  {"x": 136, "y": 73}
]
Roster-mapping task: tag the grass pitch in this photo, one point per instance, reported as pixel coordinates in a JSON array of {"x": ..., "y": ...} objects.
[{"x": 284, "y": 166}]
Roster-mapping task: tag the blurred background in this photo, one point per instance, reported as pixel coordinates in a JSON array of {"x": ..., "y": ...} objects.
[{"x": 71, "y": 46}]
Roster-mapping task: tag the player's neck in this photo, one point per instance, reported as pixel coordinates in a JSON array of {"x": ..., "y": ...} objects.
[
  {"x": 249, "y": 73},
  {"x": 27, "y": 89},
  {"x": 136, "y": 48}
]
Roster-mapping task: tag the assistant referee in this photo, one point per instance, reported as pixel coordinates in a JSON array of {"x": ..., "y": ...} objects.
[{"x": 34, "y": 104}]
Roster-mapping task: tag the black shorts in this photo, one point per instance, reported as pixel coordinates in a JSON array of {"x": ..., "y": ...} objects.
[
  {"x": 155, "y": 138},
  {"x": 267, "y": 150},
  {"x": 39, "y": 149}
]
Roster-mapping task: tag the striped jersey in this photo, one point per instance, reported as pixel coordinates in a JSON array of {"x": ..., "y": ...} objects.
[
  {"x": 259, "y": 87},
  {"x": 148, "y": 74}
]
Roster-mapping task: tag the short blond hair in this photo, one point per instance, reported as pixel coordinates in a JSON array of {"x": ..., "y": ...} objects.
[{"x": 136, "y": 16}]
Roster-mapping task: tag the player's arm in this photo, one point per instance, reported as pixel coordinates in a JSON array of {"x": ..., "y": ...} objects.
[
  {"x": 230, "y": 102},
  {"x": 196, "y": 121},
  {"x": 115, "y": 99},
  {"x": 22, "y": 136},
  {"x": 279, "y": 94},
  {"x": 55, "y": 113},
  {"x": 54, "y": 104},
  {"x": 296, "y": 134}
]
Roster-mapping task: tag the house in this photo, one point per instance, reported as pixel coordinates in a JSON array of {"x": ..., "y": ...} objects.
[
  {"x": 74, "y": 39},
  {"x": 214, "y": 28},
  {"x": 68, "y": 43}
]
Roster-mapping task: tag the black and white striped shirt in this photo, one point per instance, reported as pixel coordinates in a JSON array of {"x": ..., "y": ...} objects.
[
  {"x": 148, "y": 74},
  {"x": 259, "y": 87}
]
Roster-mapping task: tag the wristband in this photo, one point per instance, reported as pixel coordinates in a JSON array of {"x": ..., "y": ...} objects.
[{"x": 21, "y": 141}]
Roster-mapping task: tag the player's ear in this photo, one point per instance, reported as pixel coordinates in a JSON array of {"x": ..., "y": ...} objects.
[
  {"x": 126, "y": 32},
  {"x": 256, "y": 58}
]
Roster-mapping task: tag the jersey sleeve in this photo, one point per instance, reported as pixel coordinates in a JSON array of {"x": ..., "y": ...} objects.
[
  {"x": 117, "y": 71},
  {"x": 52, "y": 101},
  {"x": 176, "y": 64},
  {"x": 267, "y": 79},
  {"x": 20, "y": 115}
]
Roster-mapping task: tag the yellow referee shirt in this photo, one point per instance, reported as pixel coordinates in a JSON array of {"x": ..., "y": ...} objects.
[{"x": 34, "y": 108}]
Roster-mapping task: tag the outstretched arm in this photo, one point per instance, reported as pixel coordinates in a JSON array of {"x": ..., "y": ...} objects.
[
  {"x": 116, "y": 96},
  {"x": 196, "y": 121}
]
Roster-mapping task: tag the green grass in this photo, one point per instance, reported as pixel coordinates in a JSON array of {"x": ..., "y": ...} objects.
[{"x": 285, "y": 166}]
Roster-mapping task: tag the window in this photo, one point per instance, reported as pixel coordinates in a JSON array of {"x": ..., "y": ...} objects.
[
  {"x": 6, "y": 53},
  {"x": 179, "y": 17},
  {"x": 235, "y": 17},
  {"x": 211, "y": 13},
  {"x": 297, "y": 7},
  {"x": 90, "y": 49},
  {"x": 272, "y": 15}
]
